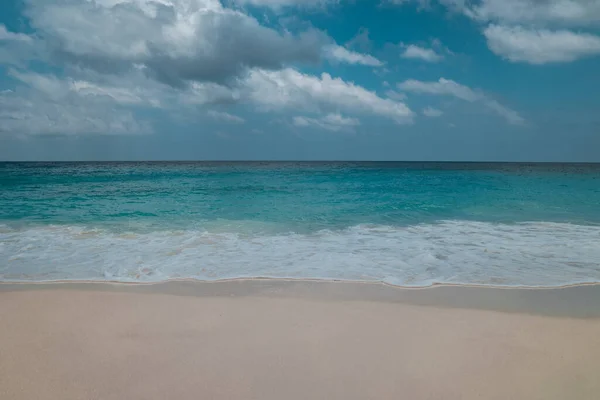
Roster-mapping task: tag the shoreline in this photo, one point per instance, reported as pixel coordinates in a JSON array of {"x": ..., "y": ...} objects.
[
  {"x": 574, "y": 301},
  {"x": 324, "y": 280}
]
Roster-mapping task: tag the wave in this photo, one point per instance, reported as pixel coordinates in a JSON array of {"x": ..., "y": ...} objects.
[{"x": 453, "y": 252}]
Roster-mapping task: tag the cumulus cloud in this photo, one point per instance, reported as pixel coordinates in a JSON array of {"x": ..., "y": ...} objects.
[
  {"x": 330, "y": 122},
  {"x": 564, "y": 12},
  {"x": 447, "y": 87},
  {"x": 177, "y": 41},
  {"x": 540, "y": 46},
  {"x": 533, "y": 31},
  {"x": 525, "y": 30},
  {"x": 289, "y": 88},
  {"x": 45, "y": 104},
  {"x": 432, "y": 112},
  {"x": 342, "y": 54},
  {"x": 225, "y": 116},
  {"x": 421, "y": 53}
]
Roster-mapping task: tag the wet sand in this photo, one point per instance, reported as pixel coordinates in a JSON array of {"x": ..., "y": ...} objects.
[{"x": 276, "y": 339}]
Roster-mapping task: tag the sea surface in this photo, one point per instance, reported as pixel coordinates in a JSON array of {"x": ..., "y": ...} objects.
[{"x": 410, "y": 224}]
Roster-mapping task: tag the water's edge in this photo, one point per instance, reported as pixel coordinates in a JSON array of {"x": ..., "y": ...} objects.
[
  {"x": 573, "y": 301},
  {"x": 274, "y": 279}
]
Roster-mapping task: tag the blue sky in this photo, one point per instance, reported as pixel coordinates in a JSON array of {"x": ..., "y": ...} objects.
[{"x": 477, "y": 80}]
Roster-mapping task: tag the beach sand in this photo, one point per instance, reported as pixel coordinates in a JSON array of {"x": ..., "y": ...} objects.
[{"x": 262, "y": 339}]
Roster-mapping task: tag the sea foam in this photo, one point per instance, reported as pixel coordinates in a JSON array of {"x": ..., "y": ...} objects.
[{"x": 467, "y": 252}]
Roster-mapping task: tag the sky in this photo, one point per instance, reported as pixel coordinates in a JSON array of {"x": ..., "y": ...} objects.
[{"x": 420, "y": 80}]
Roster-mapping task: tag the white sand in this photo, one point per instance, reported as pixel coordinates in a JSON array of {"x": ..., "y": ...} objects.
[{"x": 85, "y": 344}]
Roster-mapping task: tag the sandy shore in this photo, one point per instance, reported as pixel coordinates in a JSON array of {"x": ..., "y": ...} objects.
[{"x": 297, "y": 340}]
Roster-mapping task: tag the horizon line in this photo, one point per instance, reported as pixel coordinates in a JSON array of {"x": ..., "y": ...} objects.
[{"x": 302, "y": 161}]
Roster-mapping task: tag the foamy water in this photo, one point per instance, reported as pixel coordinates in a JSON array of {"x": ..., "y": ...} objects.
[{"x": 531, "y": 254}]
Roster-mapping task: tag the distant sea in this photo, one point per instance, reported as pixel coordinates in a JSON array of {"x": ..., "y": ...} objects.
[{"x": 410, "y": 224}]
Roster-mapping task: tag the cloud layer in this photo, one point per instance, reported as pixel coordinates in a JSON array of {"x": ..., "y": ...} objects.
[
  {"x": 540, "y": 46},
  {"x": 447, "y": 87},
  {"x": 330, "y": 122},
  {"x": 291, "y": 89},
  {"x": 107, "y": 62},
  {"x": 48, "y": 105}
]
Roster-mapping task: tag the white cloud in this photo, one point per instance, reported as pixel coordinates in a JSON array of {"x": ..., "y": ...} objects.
[
  {"x": 48, "y": 85},
  {"x": 420, "y": 53},
  {"x": 122, "y": 95},
  {"x": 533, "y": 31},
  {"x": 177, "y": 41},
  {"x": 135, "y": 88},
  {"x": 511, "y": 116},
  {"x": 209, "y": 93},
  {"x": 88, "y": 102},
  {"x": 224, "y": 116},
  {"x": 331, "y": 122},
  {"x": 447, "y": 87},
  {"x": 441, "y": 87},
  {"x": 46, "y": 104},
  {"x": 432, "y": 112},
  {"x": 5, "y": 34},
  {"x": 361, "y": 40},
  {"x": 26, "y": 112},
  {"x": 540, "y": 46},
  {"x": 342, "y": 54},
  {"x": 289, "y": 88},
  {"x": 539, "y": 12},
  {"x": 127, "y": 90},
  {"x": 420, "y": 3},
  {"x": 278, "y": 4},
  {"x": 526, "y": 30},
  {"x": 394, "y": 95},
  {"x": 17, "y": 49}
]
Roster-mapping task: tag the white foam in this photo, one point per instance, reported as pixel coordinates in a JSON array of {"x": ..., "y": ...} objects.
[{"x": 532, "y": 254}]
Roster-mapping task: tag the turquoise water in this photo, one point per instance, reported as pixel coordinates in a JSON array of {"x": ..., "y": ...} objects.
[{"x": 409, "y": 224}]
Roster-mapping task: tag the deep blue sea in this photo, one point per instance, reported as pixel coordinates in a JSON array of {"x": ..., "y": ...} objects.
[{"x": 411, "y": 224}]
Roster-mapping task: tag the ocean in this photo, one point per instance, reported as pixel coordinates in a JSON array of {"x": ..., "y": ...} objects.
[{"x": 409, "y": 224}]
